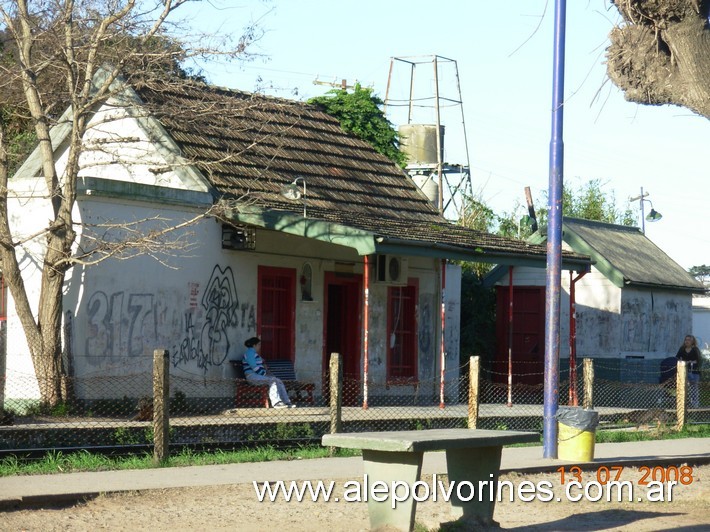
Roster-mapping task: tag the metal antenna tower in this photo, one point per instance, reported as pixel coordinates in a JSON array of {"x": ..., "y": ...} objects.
[{"x": 453, "y": 179}]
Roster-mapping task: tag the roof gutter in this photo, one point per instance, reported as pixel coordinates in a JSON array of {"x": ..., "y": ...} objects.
[
  {"x": 450, "y": 251},
  {"x": 634, "y": 284},
  {"x": 366, "y": 243}
]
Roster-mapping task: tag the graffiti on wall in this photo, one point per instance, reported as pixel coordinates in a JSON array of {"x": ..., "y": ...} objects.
[
  {"x": 425, "y": 327},
  {"x": 635, "y": 331},
  {"x": 125, "y": 324},
  {"x": 119, "y": 324},
  {"x": 209, "y": 343}
]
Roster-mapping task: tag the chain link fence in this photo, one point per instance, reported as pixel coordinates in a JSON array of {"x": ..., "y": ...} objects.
[{"x": 118, "y": 411}]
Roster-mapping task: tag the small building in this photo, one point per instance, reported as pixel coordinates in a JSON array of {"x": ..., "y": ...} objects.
[{"x": 632, "y": 308}]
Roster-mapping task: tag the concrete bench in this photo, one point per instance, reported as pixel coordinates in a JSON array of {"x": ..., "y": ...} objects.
[{"x": 471, "y": 456}]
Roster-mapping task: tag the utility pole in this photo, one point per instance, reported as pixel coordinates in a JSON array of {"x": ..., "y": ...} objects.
[
  {"x": 554, "y": 241},
  {"x": 643, "y": 218},
  {"x": 334, "y": 84}
]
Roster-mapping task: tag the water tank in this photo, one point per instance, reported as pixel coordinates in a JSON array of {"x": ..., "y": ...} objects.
[
  {"x": 428, "y": 183},
  {"x": 418, "y": 141}
]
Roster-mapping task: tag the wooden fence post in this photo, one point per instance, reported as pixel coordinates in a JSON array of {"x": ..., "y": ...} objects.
[
  {"x": 336, "y": 388},
  {"x": 681, "y": 406},
  {"x": 473, "y": 391},
  {"x": 588, "y": 383},
  {"x": 161, "y": 401}
]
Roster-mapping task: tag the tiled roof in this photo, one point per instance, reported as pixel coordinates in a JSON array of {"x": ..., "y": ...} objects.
[
  {"x": 249, "y": 146},
  {"x": 628, "y": 251}
]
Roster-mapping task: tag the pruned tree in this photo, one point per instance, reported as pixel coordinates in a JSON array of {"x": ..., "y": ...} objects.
[
  {"x": 61, "y": 61},
  {"x": 660, "y": 54}
]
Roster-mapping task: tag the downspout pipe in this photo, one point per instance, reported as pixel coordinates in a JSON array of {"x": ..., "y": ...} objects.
[{"x": 554, "y": 240}]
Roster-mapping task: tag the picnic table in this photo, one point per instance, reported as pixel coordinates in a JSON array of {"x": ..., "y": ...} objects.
[{"x": 395, "y": 457}]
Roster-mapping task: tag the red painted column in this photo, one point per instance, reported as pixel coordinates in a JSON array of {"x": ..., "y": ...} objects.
[
  {"x": 366, "y": 327},
  {"x": 510, "y": 336},
  {"x": 443, "y": 344}
]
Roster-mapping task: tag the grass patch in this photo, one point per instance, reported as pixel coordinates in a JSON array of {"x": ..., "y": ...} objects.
[
  {"x": 659, "y": 433},
  {"x": 58, "y": 462},
  {"x": 656, "y": 433}
]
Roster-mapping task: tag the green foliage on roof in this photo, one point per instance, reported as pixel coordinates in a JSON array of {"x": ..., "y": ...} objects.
[{"x": 359, "y": 113}]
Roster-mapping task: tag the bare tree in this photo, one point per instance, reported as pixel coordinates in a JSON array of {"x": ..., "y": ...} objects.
[
  {"x": 660, "y": 54},
  {"x": 68, "y": 54}
]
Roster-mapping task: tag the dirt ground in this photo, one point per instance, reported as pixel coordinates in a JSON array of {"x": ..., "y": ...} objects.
[{"x": 237, "y": 508}]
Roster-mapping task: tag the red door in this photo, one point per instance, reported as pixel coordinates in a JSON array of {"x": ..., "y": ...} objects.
[
  {"x": 277, "y": 312},
  {"x": 342, "y": 325},
  {"x": 528, "y": 338}
]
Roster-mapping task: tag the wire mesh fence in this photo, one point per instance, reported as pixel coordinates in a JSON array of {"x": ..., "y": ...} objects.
[{"x": 118, "y": 411}]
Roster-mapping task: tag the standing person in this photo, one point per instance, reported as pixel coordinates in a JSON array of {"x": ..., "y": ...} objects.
[
  {"x": 690, "y": 353},
  {"x": 256, "y": 373}
]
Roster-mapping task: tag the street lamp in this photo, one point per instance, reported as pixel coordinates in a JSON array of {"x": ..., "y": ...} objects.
[
  {"x": 292, "y": 192},
  {"x": 652, "y": 216}
]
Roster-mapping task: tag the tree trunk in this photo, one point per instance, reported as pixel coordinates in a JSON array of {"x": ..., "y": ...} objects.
[
  {"x": 47, "y": 358},
  {"x": 661, "y": 54},
  {"x": 48, "y": 361}
]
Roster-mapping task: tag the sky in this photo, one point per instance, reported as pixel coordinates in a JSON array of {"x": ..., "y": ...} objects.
[{"x": 495, "y": 89}]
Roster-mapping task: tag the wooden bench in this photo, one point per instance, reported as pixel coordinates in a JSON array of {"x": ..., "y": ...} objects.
[
  {"x": 248, "y": 394},
  {"x": 471, "y": 456}
]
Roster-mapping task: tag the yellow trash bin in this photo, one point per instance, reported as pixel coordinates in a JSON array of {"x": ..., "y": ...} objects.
[{"x": 575, "y": 433}]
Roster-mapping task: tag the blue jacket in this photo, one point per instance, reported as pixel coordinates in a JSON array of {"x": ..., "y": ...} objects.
[{"x": 253, "y": 363}]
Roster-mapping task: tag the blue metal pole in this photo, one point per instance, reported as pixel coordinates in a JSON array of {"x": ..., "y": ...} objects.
[{"x": 554, "y": 241}]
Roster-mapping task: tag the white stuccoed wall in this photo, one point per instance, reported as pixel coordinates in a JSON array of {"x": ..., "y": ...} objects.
[
  {"x": 117, "y": 312},
  {"x": 701, "y": 321}
]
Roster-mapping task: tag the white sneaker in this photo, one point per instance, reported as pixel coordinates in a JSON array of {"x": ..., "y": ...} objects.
[
  {"x": 292, "y": 405},
  {"x": 280, "y": 405}
]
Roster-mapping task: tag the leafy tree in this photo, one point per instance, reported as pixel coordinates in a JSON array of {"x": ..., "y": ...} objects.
[
  {"x": 589, "y": 202},
  {"x": 659, "y": 53},
  {"x": 477, "y": 215},
  {"x": 359, "y": 113},
  {"x": 478, "y": 311},
  {"x": 159, "y": 55},
  {"x": 59, "y": 56},
  {"x": 592, "y": 203},
  {"x": 701, "y": 273}
]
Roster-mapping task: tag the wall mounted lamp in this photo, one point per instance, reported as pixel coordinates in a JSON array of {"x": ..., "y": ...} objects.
[{"x": 293, "y": 192}]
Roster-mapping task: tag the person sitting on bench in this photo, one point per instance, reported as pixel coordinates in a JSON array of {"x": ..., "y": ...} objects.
[{"x": 255, "y": 372}]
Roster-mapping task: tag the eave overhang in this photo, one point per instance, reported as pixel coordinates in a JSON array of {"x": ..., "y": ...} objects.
[
  {"x": 368, "y": 242},
  {"x": 363, "y": 242}
]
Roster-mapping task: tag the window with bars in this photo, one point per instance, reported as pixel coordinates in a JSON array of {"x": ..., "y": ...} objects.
[
  {"x": 402, "y": 332},
  {"x": 277, "y": 312}
]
